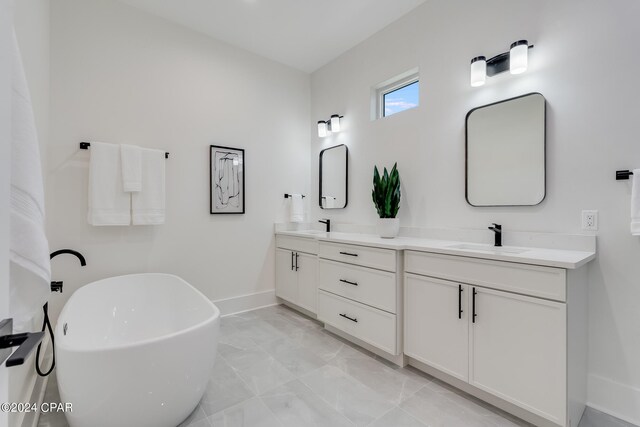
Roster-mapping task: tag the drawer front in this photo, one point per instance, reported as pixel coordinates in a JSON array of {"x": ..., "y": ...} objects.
[
  {"x": 382, "y": 259},
  {"x": 533, "y": 280},
  {"x": 369, "y": 324},
  {"x": 372, "y": 287},
  {"x": 299, "y": 244}
]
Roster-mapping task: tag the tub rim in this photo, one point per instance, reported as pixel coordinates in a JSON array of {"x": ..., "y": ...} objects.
[{"x": 216, "y": 316}]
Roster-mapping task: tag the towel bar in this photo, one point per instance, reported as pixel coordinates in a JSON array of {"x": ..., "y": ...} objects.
[
  {"x": 286, "y": 196},
  {"x": 625, "y": 174},
  {"x": 86, "y": 145}
]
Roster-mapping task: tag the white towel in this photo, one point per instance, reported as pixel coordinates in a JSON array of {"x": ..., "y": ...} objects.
[
  {"x": 108, "y": 203},
  {"x": 148, "y": 206},
  {"x": 30, "y": 271},
  {"x": 635, "y": 203},
  {"x": 296, "y": 213},
  {"x": 130, "y": 156}
]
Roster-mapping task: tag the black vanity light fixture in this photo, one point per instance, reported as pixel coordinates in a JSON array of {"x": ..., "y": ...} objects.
[
  {"x": 515, "y": 60},
  {"x": 326, "y": 127}
]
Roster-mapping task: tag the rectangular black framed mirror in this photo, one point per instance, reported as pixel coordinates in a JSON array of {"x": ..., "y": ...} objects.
[
  {"x": 505, "y": 152},
  {"x": 334, "y": 177}
]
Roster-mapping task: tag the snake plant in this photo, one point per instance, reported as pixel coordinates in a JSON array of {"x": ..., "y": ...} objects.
[{"x": 386, "y": 192}]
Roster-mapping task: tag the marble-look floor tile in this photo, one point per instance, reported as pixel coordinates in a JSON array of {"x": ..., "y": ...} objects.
[
  {"x": 250, "y": 413},
  {"x": 295, "y": 405},
  {"x": 395, "y": 385},
  {"x": 259, "y": 332},
  {"x": 397, "y": 418},
  {"x": 231, "y": 339},
  {"x": 295, "y": 358},
  {"x": 594, "y": 418},
  {"x": 320, "y": 343},
  {"x": 351, "y": 398},
  {"x": 225, "y": 389},
  {"x": 258, "y": 369},
  {"x": 445, "y": 409},
  {"x": 434, "y": 409},
  {"x": 194, "y": 418}
]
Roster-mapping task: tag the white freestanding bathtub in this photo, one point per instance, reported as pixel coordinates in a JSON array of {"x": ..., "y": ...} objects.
[{"x": 135, "y": 351}]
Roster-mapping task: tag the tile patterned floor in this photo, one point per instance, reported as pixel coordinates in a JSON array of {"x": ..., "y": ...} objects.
[{"x": 277, "y": 368}]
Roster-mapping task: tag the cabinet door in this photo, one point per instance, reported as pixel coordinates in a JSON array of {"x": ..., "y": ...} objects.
[
  {"x": 518, "y": 351},
  {"x": 286, "y": 276},
  {"x": 307, "y": 281},
  {"x": 437, "y": 324}
]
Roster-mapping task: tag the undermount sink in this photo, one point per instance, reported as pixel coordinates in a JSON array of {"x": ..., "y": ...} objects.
[
  {"x": 310, "y": 232},
  {"x": 487, "y": 248}
]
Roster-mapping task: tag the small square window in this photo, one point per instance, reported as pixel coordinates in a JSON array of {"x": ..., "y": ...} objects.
[
  {"x": 401, "y": 99},
  {"x": 398, "y": 94}
]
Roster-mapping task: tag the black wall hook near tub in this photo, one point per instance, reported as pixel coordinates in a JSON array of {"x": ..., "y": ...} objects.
[
  {"x": 624, "y": 174},
  {"x": 86, "y": 145}
]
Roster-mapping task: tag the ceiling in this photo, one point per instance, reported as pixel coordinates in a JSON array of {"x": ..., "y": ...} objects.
[{"x": 304, "y": 34}]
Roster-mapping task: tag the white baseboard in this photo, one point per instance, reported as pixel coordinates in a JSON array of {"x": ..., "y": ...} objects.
[
  {"x": 614, "y": 398},
  {"x": 246, "y": 302}
]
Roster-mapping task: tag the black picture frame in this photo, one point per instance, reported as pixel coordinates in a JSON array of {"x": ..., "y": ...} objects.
[{"x": 215, "y": 190}]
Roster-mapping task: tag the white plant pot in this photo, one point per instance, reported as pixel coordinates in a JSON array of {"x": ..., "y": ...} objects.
[{"x": 388, "y": 228}]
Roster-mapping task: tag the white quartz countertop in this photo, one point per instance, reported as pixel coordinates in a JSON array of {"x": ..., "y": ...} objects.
[{"x": 568, "y": 259}]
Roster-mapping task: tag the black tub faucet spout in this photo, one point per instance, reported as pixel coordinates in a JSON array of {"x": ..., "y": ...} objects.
[{"x": 83, "y": 262}]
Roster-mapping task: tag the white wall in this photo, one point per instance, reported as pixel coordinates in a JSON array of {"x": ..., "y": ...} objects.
[
  {"x": 122, "y": 76},
  {"x": 585, "y": 65},
  {"x": 32, "y": 30}
]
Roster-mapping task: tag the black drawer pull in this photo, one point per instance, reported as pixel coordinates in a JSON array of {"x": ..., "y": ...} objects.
[
  {"x": 297, "y": 256},
  {"x": 348, "y": 282},
  {"x": 292, "y": 261},
  {"x": 348, "y": 254},
  {"x": 350, "y": 318}
]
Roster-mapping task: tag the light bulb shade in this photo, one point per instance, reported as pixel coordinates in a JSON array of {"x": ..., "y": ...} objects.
[
  {"x": 335, "y": 123},
  {"x": 519, "y": 57},
  {"x": 478, "y": 71},
  {"x": 322, "y": 129}
]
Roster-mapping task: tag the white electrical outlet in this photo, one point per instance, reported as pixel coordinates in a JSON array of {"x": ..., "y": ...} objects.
[{"x": 590, "y": 220}]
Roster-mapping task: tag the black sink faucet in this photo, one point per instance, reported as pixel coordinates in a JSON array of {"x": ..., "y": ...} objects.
[
  {"x": 497, "y": 229},
  {"x": 327, "y": 222}
]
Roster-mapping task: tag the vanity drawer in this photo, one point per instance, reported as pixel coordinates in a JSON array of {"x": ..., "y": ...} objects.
[
  {"x": 299, "y": 244},
  {"x": 375, "y": 327},
  {"x": 383, "y": 259},
  {"x": 372, "y": 287},
  {"x": 533, "y": 280}
]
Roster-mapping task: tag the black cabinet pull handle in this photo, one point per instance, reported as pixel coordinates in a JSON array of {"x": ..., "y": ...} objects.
[
  {"x": 460, "y": 302},
  {"x": 350, "y": 318},
  {"x": 297, "y": 255},
  {"x": 348, "y": 282},
  {"x": 473, "y": 306},
  {"x": 291, "y": 261},
  {"x": 348, "y": 254}
]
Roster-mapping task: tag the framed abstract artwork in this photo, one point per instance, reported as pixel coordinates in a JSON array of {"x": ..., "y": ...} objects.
[{"x": 227, "y": 180}]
